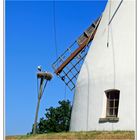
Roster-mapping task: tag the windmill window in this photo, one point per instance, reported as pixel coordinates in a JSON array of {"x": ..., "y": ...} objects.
[
  {"x": 112, "y": 106},
  {"x": 112, "y": 102}
]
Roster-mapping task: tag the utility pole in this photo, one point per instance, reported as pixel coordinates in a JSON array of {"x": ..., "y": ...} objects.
[{"x": 43, "y": 77}]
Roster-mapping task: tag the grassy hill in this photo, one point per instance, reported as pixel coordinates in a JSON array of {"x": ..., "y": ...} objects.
[{"x": 122, "y": 135}]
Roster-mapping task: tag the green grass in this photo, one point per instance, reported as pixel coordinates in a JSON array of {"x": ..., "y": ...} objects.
[{"x": 122, "y": 135}]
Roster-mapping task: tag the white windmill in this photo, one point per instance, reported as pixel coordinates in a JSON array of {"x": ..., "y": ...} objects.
[
  {"x": 105, "y": 91},
  {"x": 104, "y": 96}
]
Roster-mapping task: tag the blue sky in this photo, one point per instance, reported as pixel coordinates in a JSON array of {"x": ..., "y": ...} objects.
[{"x": 30, "y": 42}]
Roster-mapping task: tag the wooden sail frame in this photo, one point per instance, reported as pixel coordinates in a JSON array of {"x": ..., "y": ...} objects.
[
  {"x": 67, "y": 65},
  {"x": 85, "y": 35}
]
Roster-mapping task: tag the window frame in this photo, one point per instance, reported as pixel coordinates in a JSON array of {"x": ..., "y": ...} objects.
[{"x": 112, "y": 95}]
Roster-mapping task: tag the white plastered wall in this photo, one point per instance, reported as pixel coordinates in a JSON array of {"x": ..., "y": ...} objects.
[{"x": 108, "y": 68}]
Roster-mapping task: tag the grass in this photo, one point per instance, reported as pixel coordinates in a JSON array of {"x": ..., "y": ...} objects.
[{"x": 91, "y": 135}]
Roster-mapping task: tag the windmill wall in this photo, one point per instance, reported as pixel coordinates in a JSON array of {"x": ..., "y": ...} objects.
[{"x": 108, "y": 67}]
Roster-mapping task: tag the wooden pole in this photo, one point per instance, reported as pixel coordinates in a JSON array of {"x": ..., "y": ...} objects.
[
  {"x": 42, "y": 76},
  {"x": 38, "y": 104}
]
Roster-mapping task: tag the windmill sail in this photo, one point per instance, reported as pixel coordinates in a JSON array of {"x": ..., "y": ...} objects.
[
  {"x": 105, "y": 91},
  {"x": 68, "y": 64}
]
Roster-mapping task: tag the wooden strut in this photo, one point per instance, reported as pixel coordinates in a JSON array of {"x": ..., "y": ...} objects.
[{"x": 71, "y": 57}]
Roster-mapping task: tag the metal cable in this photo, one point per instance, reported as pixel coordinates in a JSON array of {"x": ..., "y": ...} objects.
[
  {"x": 54, "y": 26},
  {"x": 108, "y": 24},
  {"x": 115, "y": 12}
]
